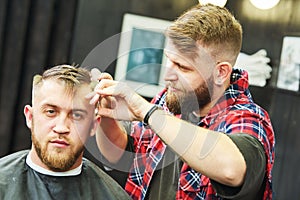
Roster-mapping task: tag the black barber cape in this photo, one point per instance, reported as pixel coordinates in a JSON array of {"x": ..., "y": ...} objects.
[{"x": 19, "y": 181}]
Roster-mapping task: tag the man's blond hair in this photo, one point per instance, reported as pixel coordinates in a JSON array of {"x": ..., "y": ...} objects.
[
  {"x": 72, "y": 76},
  {"x": 210, "y": 26}
]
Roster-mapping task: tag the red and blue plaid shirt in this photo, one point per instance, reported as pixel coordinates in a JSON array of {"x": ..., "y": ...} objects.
[{"x": 234, "y": 113}]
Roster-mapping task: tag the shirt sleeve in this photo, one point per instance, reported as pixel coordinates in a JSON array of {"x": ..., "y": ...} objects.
[{"x": 255, "y": 158}]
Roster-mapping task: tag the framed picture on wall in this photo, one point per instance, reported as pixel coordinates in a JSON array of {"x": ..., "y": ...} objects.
[
  {"x": 289, "y": 67},
  {"x": 141, "y": 60}
]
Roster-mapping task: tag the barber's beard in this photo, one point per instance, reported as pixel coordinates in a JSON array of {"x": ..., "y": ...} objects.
[
  {"x": 190, "y": 100},
  {"x": 56, "y": 159}
]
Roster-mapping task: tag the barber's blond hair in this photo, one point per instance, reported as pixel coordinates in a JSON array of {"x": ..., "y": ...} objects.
[{"x": 211, "y": 26}]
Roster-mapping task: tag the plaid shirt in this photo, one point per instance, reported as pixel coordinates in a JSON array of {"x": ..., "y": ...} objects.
[{"x": 235, "y": 112}]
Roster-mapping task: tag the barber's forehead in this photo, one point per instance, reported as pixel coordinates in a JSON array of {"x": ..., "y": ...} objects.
[
  {"x": 201, "y": 51},
  {"x": 174, "y": 54}
]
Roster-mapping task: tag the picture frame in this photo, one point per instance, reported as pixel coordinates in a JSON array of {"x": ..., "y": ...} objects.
[
  {"x": 141, "y": 60},
  {"x": 289, "y": 67}
]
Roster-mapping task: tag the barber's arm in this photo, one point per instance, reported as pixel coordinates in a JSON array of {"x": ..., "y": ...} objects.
[
  {"x": 211, "y": 153},
  {"x": 111, "y": 136},
  {"x": 111, "y": 139}
]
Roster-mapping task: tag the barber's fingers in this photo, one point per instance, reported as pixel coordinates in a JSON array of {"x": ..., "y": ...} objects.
[
  {"x": 108, "y": 102},
  {"x": 106, "y": 112},
  {"x": 113, "y": 88},
  {"x": 104, "y": 83},
  {"x": 95, "y": 74},
  {"x": 96, "y": 95},
  {"x": 93, "y": 97},
  {"x": 105, "y": 75}
]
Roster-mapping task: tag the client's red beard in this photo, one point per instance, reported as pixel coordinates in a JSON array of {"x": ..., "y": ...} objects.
[{"x": 55, "y": 160}]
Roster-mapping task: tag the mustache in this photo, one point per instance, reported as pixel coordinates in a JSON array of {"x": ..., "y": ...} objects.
[
  {"x": 172, "y": 85},
  {"x": 60, "y": 138}
]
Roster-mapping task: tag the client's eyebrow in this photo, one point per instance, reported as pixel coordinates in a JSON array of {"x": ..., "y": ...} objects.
[{"x": 47, "y": 105}]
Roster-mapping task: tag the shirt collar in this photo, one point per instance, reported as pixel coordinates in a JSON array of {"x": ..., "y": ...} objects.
[{"x": 238, "y": 86}]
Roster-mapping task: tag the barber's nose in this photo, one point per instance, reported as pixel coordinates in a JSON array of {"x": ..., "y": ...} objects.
[
  {"x": 170, "y": 72},
  {"x": 62, "y": 125}
]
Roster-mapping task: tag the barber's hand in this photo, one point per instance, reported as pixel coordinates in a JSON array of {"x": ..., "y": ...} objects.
[
  {"x": 96, "y": 77},
  {"x": 123, "y": 103}
]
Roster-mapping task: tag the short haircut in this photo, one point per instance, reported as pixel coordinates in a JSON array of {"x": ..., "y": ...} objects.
[
  {"x": 72, "y": 76},
  {"x": 212, "y": 26}
]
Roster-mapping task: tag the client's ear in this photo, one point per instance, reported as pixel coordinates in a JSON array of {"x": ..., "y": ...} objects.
[
  {"x": 28, "y": 115},
  {"x": 95, "y": 125}
]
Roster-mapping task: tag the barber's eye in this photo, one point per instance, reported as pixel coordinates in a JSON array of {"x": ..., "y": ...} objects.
[{"x": 181, "y": 67}]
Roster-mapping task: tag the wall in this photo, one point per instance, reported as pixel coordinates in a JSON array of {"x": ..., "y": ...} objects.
[
  {"x": 266, "y": 28},
  {"x": 98, "y": 22},
  {"x": 36, "y": 34}
]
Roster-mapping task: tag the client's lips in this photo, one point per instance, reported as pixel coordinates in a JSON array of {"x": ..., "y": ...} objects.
[{"x": 60, "y": 143}]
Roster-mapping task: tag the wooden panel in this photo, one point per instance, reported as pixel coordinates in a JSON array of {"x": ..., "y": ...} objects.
[
  {"x": 62, "y": 32},
  {"x": 48, "y": 44},
  {"x": 35, "y": 54},
  {"x": 11, "y": 62},
  {"x": 3, "y": 5},
  {"x": 3, "y": 8},
  {"x": 38, "y": 34}
]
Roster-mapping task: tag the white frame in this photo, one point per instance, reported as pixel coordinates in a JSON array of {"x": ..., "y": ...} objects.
[
  {"x": 131, "y": 21},
  {"x": 289, "y": 68}
]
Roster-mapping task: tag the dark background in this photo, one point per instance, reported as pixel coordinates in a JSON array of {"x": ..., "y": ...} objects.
[{"x": 37, "y": 34}]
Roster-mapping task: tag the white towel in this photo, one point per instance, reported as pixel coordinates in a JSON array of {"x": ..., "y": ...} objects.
[{"x": 256, "y": 65}]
